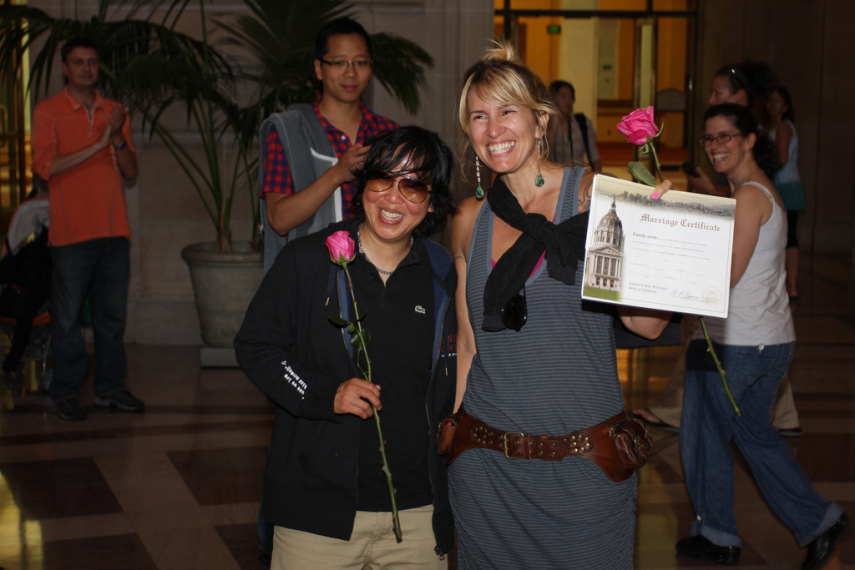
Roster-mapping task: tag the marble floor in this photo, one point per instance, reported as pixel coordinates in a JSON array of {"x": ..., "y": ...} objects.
[{"x": 178, "y": 487}]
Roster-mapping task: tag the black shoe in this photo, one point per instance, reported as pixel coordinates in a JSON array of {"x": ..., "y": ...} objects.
[
  {"x": 70, "y": 410},
  {"x": 122, "y": 400},
  {"x": 822, "y": 547},
  {"x": 791, "y": 432},
  {"x": 700, "y": 547}
]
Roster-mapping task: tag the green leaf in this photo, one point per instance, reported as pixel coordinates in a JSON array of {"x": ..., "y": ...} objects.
[
  {"x": 338, "y": 321},
  {"x": 351, "y": 328},
  {"x": 641, "y": 174}
]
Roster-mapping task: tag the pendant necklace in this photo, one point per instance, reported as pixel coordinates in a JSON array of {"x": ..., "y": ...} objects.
[{"x": 362, "y": 251}]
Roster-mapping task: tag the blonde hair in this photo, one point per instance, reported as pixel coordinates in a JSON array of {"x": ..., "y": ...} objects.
[{"x": 500, "y": 78}]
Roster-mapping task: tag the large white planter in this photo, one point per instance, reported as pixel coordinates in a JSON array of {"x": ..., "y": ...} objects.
[{"x": 223, "y": 284}]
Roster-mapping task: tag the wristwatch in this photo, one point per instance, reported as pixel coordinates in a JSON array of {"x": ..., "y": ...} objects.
[{"x": 121, "y": 146}]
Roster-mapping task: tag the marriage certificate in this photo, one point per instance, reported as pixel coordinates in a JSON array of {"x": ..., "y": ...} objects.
[{"x": 671, "y": 253}]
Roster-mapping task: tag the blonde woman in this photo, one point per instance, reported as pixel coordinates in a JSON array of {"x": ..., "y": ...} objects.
[{"x": 533, "y": 358}]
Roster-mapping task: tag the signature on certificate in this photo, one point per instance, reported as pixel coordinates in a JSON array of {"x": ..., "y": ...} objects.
[{"x": 709, "y": 296}]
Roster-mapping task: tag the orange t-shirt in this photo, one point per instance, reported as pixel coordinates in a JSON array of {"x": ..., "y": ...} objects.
[{"x": 87, "y": 201}]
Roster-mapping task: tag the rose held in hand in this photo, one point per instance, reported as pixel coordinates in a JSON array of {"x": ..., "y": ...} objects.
[
  {"x": 638, "y": 126},
  {"x": 342, "y": 248},
  {"x": 342, "y": 252}
]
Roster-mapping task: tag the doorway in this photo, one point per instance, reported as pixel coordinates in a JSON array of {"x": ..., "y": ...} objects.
[{"x": 620, "y": 55}]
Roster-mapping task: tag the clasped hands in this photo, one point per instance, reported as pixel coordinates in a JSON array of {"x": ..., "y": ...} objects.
[{"x": 113, "y": 130}]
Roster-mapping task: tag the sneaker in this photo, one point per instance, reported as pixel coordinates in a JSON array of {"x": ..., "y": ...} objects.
[
  {"x": 700, "y": 547},
  {"x": 70, "y": 410},
  {"x": 122, "y": 400}
]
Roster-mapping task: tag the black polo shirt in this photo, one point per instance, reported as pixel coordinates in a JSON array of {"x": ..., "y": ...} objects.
[{"x": 399, "y": 318}]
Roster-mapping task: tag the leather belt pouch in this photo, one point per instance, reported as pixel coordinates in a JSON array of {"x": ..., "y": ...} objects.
[{"x": 619, "y": 445}]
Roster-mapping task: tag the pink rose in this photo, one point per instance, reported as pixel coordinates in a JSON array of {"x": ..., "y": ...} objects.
[
  {"x": 638, "y": 126},
  {"x": 342, "y": 248}
]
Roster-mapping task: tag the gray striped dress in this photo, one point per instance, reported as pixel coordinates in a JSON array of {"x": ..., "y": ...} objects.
[{"x": 556, "y": 375}]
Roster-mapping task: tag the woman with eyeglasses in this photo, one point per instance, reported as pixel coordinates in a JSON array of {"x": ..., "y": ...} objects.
[
  {"x": 755, "y": 344},
  {"x": 325, "y": 489},
  {"x": 747, "y": 83},
  {"x": 537, "y": 370}
]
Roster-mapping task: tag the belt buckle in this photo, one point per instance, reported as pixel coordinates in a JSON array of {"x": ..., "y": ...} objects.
[{"x": 505, "y": 442}]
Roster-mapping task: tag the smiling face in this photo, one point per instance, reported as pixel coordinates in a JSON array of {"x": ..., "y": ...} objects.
[
  {"x": 81, "y": 68},
  {"x": 727, "y": 157},
  {"x": 388, "y": 216},
  {"x": 344, "y": 85},
  {"x": 504, "y": 137}
]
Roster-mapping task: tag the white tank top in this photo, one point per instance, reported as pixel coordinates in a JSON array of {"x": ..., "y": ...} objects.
[{"x": 759, "y": 311}]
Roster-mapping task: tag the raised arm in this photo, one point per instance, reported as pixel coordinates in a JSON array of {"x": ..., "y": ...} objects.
[{"x": 287, "y": 211}]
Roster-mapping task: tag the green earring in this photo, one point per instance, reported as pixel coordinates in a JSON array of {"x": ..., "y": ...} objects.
[
  {"x": 538, "y": 180},
  {"x": 479, "y": 192}
]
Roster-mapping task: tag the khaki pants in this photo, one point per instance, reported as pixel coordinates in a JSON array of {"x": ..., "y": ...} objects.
[
  {"x": 371, "y": 546},
  {"x": 668, "y": 407}
]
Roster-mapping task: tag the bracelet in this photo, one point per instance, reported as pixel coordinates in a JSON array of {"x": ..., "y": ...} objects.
[{"x": 121, "y": 146}]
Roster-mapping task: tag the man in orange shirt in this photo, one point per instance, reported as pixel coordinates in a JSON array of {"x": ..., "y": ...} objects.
[{"x": 82, "y": 146}]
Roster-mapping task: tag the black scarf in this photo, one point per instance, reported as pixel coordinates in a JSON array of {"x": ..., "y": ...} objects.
[{"x": 564, "y": 244}]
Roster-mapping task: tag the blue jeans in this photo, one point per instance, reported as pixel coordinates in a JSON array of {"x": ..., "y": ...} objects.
[
  {"x": 100, "y": 267},
  {"x": 709, "y": 423}
]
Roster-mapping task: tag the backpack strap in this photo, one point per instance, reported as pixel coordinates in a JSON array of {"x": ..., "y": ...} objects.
[{"x": 582, "y": 120}]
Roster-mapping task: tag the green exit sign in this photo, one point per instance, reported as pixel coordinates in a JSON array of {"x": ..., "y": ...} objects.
[{"x": 553, "y": 29}]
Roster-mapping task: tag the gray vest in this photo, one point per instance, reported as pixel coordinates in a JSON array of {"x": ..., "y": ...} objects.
[{"x": 309, "y": 153}]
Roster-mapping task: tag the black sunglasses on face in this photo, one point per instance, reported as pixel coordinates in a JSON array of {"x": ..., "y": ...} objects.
[
  {"x": 412, "y": 189},
  {"x": 515, "y": 312}
]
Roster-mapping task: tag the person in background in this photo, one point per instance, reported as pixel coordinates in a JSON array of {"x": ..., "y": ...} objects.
[
  {"x": 82, "y": 146},
  {"x": 748, "y": 84},
  {"x": 782, "y": 131},
  {"x": 573, "y": 138},
  {"x": 310, "y": 153},
  {"x": 755, "y": 345},
  {"x": 325, "y": 490},
  {"x": 532, "y": 358}
]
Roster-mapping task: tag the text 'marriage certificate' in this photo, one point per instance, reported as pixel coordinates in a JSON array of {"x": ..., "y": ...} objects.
[{"x": 671, "y": 254}]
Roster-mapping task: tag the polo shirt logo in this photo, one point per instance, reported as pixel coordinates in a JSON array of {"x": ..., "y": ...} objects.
[{"x": 420, "y": 310}]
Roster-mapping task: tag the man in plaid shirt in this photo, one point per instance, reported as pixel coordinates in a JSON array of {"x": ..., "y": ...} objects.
[{"x": 343, "y": 67}]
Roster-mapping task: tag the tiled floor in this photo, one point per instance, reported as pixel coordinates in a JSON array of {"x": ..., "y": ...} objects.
[{"x": 178, "y": 487}]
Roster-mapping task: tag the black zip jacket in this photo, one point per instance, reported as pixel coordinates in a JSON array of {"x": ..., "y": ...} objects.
[{"x": 290, "y": 350}]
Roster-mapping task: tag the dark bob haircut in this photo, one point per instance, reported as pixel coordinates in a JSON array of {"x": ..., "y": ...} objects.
[
  {"x": 340, "y": 27},
  {"x": 556, "y": 86},
  {"x": 430, "y": 160},
  {"x": 764, "y": 151}
]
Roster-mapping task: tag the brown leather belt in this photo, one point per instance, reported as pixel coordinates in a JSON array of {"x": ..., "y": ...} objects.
[{"x": 599, "y": 443}]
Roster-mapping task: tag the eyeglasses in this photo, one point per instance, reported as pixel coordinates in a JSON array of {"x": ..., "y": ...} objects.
[
  {"x": 722, "y": 138},
  {"x": 342, "y": 64},
  {"x": 515, "y": 312},
  {"x": 412, "y": 189}
]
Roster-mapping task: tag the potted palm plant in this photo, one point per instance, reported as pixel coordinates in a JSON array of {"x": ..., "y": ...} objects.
[{"x": 263, "y": 56}]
